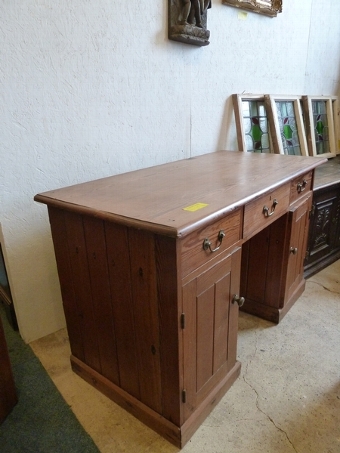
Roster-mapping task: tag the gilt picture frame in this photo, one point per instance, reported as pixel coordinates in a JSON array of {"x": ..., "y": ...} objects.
[{"x": 269, "y": 8}]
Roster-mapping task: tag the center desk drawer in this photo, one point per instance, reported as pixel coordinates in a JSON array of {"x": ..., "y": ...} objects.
[
  {"x": 260, "y": 213},
  {"x": 300, "y": 186},
  {"x": 193, "y": 253}
]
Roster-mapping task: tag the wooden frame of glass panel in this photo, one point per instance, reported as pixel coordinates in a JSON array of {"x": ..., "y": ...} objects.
[
  {"x": 319, "y": 122},
  {"x": 267, "y": 7},
  {"x": 286, "y": 123},
  {"x": 336, "y": 118},
  {"x": 252, "y": 125}
]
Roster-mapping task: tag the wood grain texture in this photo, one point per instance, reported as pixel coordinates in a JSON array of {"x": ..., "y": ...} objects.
[
  {"x": 327, "y": 174},
  {"x": 254, "y": 216},
  {"x": 146, "y": 320},
  {"x": 117, "y": 242},
  {"x": 155, "y": 198},
  {"x": 70, "y": 305},
  {"x": 101, "y": 296},
  {"x": 192, "y": 252},
  {"x": 209, "y": 349}
]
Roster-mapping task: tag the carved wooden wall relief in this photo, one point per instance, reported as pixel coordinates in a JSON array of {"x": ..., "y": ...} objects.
[{"x": 188, "y": 21}]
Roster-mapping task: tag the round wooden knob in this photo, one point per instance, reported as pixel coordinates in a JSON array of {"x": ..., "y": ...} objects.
[{"x": 238, "y": 300}]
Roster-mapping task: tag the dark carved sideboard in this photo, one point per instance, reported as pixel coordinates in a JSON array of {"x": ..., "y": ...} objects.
[{"x": 324, "y": 231}]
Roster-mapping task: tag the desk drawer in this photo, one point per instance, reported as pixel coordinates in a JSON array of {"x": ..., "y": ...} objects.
[
  {"x": 300, "y": 186},
  {"x": 260, "y": 213},
  {"x": 194, "y": 255}
]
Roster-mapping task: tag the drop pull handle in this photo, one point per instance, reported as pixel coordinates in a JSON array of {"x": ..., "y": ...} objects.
[
  {"x": 293, "y": 250},
  {"x": 207, "y": 243},
  {"x": 301, "y": 186},
  {"x": 238, "y": 300},
  {"x": 270, "y": 211}
]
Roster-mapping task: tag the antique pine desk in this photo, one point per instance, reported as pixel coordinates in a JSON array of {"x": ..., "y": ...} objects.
[{"x": 149, "y": 265}]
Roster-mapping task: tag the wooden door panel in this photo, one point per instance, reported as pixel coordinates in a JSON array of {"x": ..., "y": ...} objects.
[
  {"x": 210, "y": 333},
  {"x": 221, "y": 322},
  {"x": 322, "y": 237},
  {"x": 299, "y": 221},
  {"x": 205, "y": 336},
  {"x": 233, "y": 308}
]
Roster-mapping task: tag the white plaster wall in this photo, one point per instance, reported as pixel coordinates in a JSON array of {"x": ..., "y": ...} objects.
[{"x": 90, "y": 88}]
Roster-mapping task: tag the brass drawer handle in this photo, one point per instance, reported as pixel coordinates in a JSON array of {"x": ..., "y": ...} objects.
[
  {"x": 239, "y": 300},
  {"x": 293, "y": 250},
  {"x": 301, "y": 186},
  {"x": 207, "y": 243},
  {"x": 266, "y": 209}
]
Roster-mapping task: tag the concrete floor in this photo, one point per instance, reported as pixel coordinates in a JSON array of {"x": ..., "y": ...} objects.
[{"x": 287, "y": 399}]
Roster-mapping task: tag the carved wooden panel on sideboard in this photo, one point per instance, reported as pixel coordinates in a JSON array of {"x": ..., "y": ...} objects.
[{"x": 324, "y": 231}]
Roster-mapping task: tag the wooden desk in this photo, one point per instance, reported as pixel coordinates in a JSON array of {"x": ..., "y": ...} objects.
[{"x": 149, "y": 266}]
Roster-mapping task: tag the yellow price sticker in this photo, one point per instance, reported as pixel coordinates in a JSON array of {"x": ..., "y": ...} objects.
[{"x": 195, "y": 207}]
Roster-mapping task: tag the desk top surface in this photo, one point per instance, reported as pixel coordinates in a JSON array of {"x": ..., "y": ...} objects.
[
  {"x": 178, "y": 197},
  {"x": 328, "y": 174}
]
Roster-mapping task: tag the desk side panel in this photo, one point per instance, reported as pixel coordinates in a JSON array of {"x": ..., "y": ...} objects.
[{"x": 70, "y": 305}]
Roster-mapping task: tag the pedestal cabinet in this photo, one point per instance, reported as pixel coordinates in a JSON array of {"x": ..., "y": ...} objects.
[
  {"x": 272, "y": 264},
  {"x": 157, "y": 333},
  {"x": 149, "y": 268}
]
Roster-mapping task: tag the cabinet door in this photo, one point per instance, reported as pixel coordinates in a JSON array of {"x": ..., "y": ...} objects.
[
  {"x": 210, "y": 331},
  {"x": 323, "y": 235},
  {"x": 298, "y": 226}
]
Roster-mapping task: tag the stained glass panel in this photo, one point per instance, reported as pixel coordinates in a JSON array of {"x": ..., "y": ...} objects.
[
  {"x": 321, "y": 130},
  {"x": 255, "y": 124},
  {"x": 288, "y": 127}
]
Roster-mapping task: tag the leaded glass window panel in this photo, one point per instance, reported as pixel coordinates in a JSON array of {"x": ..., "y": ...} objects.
[
  {"x": 286, "y": 124},
  {"x": 288, "y": 127},
  {"x": 255, "y": 124},
  {"x": 320, "y": 125},
  {"x": 321, "y": 128}
]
